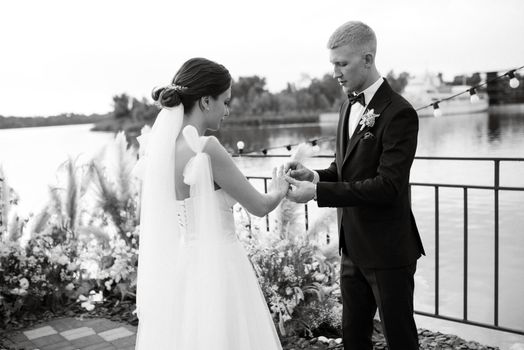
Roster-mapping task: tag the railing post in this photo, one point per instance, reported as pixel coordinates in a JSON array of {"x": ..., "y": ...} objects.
[
  {"x": 267, "y": 216},
  {"x": 436, "y": 250},
  {"x": 307, "y": 217},
  {"x": 465, "y": 254},
  {"x": 496, "y": 219}
]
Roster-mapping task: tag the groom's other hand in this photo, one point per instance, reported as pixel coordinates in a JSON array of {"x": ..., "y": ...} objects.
[
  {"x": 300, "y": 191},
  {"x": 298, "y": 171}
]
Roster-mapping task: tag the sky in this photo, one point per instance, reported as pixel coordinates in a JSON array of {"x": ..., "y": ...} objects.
[{"x": 67, "y": 56}]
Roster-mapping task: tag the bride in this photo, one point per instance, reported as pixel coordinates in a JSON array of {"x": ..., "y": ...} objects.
[{"x": 196, "y": 288}]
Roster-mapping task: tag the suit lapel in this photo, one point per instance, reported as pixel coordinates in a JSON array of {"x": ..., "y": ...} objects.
[
  {"x": 378, "y": 103},
  {"x": 342, "y": 139}
]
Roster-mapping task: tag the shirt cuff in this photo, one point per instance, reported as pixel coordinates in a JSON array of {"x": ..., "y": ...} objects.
[{"x": 316, "y": 177}]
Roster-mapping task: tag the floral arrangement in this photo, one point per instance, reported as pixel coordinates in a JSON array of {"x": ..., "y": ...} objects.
[
  {"x": 37, "y": 276},
  {"x": 86, "y": 257},
  {"x": 299, "y": 284},
  {"x": 297, "y": 270},
  {"x": 69, "y": 253}
]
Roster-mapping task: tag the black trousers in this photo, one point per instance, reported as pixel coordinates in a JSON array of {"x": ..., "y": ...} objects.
[{"x": 391, "y": 290}]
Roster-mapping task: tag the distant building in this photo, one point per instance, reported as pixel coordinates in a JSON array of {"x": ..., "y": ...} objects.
[
  {"x": 428, "y": 88},
  {"x": 501, "y": 93}
]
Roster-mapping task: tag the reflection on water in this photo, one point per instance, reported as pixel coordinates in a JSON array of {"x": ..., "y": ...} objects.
[
  {"x": 493, "y": 128},
  {"x": 259, "y": 138},
  {"x": 499, "y": 126},
  {"x": 481, "y": 134}
]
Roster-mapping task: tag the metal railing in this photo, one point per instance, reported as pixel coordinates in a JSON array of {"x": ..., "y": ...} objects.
[{"x": 496, "y": 188}]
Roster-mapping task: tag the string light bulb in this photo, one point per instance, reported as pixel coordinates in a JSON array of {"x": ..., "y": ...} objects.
[
  {"x": 240, "y": 146},
  {"x": 436, "y": 110},
  {"x": 513, "y": 81},
  {"x": 473, "y": 97}
]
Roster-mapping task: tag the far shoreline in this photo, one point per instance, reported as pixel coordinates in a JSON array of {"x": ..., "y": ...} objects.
[{"x": 106, "y": 123}]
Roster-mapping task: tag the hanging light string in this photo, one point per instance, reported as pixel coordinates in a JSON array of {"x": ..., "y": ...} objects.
[
  {"x": 313, "y": 142},
  {"x": 472, "y": 90},
  {"x": 514, "y": 83}
]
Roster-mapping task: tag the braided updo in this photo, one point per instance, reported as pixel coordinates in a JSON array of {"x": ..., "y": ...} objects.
[{"x": 196, "y": 78}]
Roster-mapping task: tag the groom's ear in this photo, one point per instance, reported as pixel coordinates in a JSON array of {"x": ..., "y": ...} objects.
[{"x": 369, "y": 59}]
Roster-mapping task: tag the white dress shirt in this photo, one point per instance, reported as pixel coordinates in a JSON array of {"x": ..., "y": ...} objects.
[{"x": 357, "y": 110}]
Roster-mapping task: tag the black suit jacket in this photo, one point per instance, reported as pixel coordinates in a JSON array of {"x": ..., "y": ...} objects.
[{"x": 368, "y": 183}]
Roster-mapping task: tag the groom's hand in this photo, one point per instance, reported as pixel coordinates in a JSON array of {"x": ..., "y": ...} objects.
[
  {"x": 298, "y": 171},
  {"x": 300, "y": 191}
]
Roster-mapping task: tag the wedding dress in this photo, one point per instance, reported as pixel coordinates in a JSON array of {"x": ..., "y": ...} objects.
[{"x": 196, "y": 287}]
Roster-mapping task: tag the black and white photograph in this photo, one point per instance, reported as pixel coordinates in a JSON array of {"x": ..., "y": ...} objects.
[{"x": 248, "y": 175}]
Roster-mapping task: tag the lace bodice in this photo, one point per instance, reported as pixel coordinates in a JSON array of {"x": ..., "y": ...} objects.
[{"x": 187, "y": 219}]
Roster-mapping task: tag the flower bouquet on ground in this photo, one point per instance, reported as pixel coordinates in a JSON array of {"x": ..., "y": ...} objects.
[{"x": 298, "y": 273}]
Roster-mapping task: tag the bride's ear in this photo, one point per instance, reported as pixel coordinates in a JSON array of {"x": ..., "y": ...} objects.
[{"x": 203, "y": 103}]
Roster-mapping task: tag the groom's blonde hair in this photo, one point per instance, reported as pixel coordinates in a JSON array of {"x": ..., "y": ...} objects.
[{"x": 354, "y": 33}]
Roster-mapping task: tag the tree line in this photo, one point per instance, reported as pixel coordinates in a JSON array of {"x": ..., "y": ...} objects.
[
  {"x": 61, "y": 119},
  {"x": 250, "y": 97}
]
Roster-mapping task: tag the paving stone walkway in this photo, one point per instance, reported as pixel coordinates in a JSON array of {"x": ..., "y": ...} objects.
[
  {"x": 73, "y": 334},
  {"x": 103, "y": 334}
]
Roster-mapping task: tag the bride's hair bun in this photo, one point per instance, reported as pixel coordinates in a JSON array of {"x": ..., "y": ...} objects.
[
  {"x": 198, "y": 77},
  {"x": 168, "y": 96}
]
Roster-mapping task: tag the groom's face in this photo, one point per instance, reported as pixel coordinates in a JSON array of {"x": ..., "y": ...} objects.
[{"x": 349, "y": 67}]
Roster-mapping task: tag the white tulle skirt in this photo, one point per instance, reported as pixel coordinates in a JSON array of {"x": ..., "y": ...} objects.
[{"x": 217, "y": 304}]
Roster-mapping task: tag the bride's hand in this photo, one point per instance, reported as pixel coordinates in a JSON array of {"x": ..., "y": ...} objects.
[{"x": 278, "y": 181}]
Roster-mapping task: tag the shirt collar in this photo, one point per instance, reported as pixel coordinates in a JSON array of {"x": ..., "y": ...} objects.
[{"x": 372, "y": 89}]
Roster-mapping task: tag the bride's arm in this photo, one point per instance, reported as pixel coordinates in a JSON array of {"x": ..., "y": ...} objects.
[{"x": 227, "y": 175}]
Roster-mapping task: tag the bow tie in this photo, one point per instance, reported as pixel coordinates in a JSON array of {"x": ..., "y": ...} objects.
[{"x": 357, "y": 98}]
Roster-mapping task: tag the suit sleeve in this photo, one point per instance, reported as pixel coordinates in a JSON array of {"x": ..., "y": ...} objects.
[
  {"x": 399, "y": 143},
  {"x": 330, "y": 174}
]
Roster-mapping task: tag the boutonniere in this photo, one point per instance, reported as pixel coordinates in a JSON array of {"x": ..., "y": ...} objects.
[{"x": 368, "y": 119}]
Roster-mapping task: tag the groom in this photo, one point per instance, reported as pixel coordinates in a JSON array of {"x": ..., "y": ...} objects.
[{"x": 368, "y": 183}]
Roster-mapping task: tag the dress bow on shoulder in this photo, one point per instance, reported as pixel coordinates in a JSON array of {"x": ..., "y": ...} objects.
[{"x": 197, "y": 172}]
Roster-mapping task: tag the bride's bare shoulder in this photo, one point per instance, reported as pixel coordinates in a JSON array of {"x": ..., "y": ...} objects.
[{"x": 214, "y": 148}]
